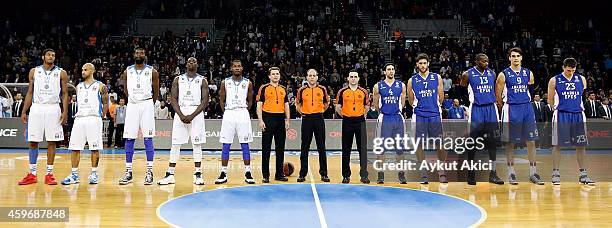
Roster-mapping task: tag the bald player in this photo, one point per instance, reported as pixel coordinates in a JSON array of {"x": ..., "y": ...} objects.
[{"x": 92, "y": 104}]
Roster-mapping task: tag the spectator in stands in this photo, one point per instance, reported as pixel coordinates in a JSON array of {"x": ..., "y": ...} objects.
[
  {"x": 540, "y": 109},
  {"x": 72, "y": 110},
  {"x": 18, "y": 105},
  {"x": 447, "y": 83},
  {"x": 456, "y": 111},
  {"x": 112, "y": 94},
  {"x": 5, "y": 104},
  {"x": 447, "y": 103},
  {"x": 163, "y": 90},
  {"x": 293, "y": 113},
  {"x": 112, "y": 108},
  {"x": 161, "y": 112},
  {"x": 119, "y": 123},
  {"x": 591, "y": 106},
  {"x": 604, "y": 109}
]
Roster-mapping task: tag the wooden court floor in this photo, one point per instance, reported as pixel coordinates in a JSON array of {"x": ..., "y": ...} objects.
[{"x": 109, "y": 204}]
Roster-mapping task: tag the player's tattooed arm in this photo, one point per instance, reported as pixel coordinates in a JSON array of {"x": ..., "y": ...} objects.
[
  {"x": 222, "y": 96},
  {"x": 464, "y": 79},
  {"x": 28, "y": 98},
  {"x": 499, "y": 88},
  {"x": 64, "y": 84},
  {"x": 551, "y": 92},
  {"x": 155, "y": 86},
  {"x": 174, "y": 91},
  {"x": 375, "y": 97},
  {"x": 123, "y": 79},
  {"x": 104, "y": 94}
]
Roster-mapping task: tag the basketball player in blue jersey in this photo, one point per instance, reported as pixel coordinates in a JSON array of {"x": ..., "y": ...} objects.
[
  {"x": 425, "y": 94},
  {"x": 92, "y": 103},
  {"x": 482, "y": 113},
  {"x": 236, "y": 99},
  {"x": 389, "y": 97},
  {"x": 512, "y": 90},
  {"x": 565, "y": 92},
  {"x": 48, "y": 87},
  {"x": 141, "y": 86}
]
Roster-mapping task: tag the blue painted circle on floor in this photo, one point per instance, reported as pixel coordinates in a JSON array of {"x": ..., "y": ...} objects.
[{"x": 293, "y": 205}]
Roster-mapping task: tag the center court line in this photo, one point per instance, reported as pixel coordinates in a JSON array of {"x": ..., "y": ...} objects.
[{"x": 316, "y": 199}]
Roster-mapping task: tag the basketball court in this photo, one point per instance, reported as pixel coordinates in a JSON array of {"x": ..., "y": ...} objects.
[{"x": 311, "y": 204}]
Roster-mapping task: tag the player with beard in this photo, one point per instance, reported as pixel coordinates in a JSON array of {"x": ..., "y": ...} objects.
[{"x": 141, "y": 88}]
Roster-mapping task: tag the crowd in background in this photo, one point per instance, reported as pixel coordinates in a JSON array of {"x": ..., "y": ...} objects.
[{"x": 324, "y": 35}]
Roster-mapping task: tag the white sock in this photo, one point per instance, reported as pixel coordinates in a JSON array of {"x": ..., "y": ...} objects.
[
  {"x": 556, "y": 172},
  {"x": 171, "y": 170},
  {"x": 198, "y": 169},
  {"x": 247, "y": 168},
  {"x": 49, "y": 169},
  {"x": 511, "y": 170},
  {"x": 532, "y": 170},
  {"x": 75, "y": 171},
  {"x": 128, "y": 167},
  {"x": 149, "y": 165},
  {"x": 94, "y": 169},
  {"x": 224, "y": 169},
  {"x": 33, "y": 169}
]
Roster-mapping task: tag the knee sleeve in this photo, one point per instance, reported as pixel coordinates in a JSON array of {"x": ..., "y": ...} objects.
[
  {"x": 197, "y": 152},
  {"x": 175, "y": 151}
]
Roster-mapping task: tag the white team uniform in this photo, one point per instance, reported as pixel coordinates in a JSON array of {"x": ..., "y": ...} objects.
[
  {"x": 236, "y": 117},
  {"x": 189, "y": 99},
  {"x": 87, "y": 126},
  {"x": 45, "y": 113},
  {"x": 140, "y": 112}
]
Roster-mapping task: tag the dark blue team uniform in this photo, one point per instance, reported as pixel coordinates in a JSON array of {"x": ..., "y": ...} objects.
[
  {"x": 482, "y": 111},
  {"x": 569, "y": 119},
  {"x": 391, "y": 122},
  {"x": 518, "y": 115},
  {"x": 427, "y": 112}
]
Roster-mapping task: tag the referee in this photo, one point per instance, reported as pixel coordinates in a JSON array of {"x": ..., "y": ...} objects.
[
  {"x": 352, "y": 105},
  {"x": 273, "y": 113},
  {"x": 312, "y": 100}
]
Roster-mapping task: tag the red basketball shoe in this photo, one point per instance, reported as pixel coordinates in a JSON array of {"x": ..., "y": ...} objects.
[
  {"x": 50, "y": 179},
  {"x": 28, "y": 179}
]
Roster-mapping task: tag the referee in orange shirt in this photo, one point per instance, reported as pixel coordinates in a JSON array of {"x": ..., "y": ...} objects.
[
  {"x": 273, "y": 113},
  {"x": 312, "y": 100},
  {"x": 352, "y": 103}
]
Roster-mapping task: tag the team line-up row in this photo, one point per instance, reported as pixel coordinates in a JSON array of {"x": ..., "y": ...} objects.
[{"x": 488, "y": 93}]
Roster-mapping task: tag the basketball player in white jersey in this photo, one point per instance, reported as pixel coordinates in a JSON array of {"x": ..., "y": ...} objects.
[
  {"x": 189, "y": 97},
  {"x": 236, "y": 99},
  {"x": 141, "y": 88},
  {"x": 47, "y": 88},
  {"x": 92, "y": 104}
]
